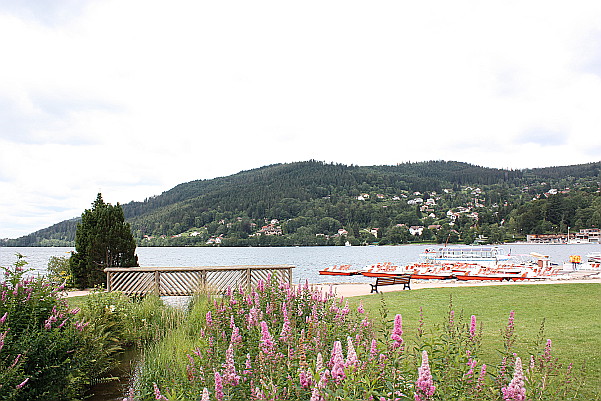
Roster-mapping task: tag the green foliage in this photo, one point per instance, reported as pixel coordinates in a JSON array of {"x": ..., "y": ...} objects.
[
  {"x": 103, "y": 239},
  {"x": 59, "y": 270},
  {"x": 46, "y": 353},
  {"x": 312, "y": 200}
]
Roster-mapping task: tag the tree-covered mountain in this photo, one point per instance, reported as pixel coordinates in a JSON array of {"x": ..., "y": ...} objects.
[{"x": 316, "y": 203}]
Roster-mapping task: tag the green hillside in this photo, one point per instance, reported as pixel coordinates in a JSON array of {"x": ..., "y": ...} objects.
[{"x": 316, "y": 203}]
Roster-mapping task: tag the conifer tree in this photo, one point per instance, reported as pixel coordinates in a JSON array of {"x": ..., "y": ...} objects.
[{"x": 103, "y": 239}]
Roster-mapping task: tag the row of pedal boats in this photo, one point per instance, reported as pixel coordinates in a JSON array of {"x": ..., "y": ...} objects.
[{"x": 461, "y": 263}]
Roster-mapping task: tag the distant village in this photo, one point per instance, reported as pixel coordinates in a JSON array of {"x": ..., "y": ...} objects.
[{"x": 428, "y": 205}]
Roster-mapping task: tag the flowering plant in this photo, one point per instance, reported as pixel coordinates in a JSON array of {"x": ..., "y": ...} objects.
[
  {"x": 279, "y": 342},
  {"x": 41, "y": 339}
]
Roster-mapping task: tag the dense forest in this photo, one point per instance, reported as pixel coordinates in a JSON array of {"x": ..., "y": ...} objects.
[{"x": 317, "y": 203}]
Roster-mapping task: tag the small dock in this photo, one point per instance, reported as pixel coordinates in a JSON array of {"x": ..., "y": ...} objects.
[{"x": 183, "y": 281}]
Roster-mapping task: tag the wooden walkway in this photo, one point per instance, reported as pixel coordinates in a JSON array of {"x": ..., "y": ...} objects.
[{"x": 175, "y": 281}]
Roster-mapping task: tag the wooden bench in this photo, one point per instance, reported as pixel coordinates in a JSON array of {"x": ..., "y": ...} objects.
[{"x": 404, "y": 279}]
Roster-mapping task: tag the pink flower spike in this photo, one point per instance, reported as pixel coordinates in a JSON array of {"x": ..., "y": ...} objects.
[
  {"x": 3, "y": 318},
  {"x": 266, "y": 339},
  {"x": 218, "y": 387},
  {"x": 24, "y": 382},
  {"x": 337, "y": 363},
  {"x": 473, "y": 327},
  {"x": 236, "y": 337},
  {"x": 351, "y": 354},
  {"x": 319, "y": 362},
  {"x": 515, "y": 391},
  {"x": 205, "y": 395},
  {"x": 547, "y": 354},
  {"x": 157, "y": 393},
  {"x": 424, "y": 386},
  {"x": 230, "y": 376},
  {"x": 373, "y": 349},
  {"x": 15, "y": 361},
  {"x": 397, "y": 331}
]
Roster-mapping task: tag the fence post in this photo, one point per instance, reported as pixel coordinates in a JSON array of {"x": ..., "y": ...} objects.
[
  {"x": 157, "y": 282},
  {"x": 108, "y": 281},
  {"x": 248, "y": 280}
]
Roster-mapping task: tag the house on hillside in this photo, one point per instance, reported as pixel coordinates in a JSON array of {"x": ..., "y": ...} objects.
[
  {"x": 270, "y": 229},
  {"x": 416, "y": 230}
]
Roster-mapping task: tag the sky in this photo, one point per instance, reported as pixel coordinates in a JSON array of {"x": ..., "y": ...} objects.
[{"x": 130, "y": 98}]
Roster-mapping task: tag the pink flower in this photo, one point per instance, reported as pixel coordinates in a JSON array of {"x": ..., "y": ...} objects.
[
  {"x": 24, "y": 382},
  {"x": 209, "y": 319},
  {"x": 247, "y": 366},
  {"x": 360, "y": 308},
  {"x": 547, "y": 354},
  {"x": 473, "y": 327},
  {"x": 337, "y": 363},
  {"x": 351, "y": 354},
  {"x": 373, "y": 349},
  {"x": 286, "y": 330},
  {"x": 304, "y": 379},
  {"x": 315, "y": 396},
  {"x": 230, "y": 376},
  {"x": 15, "y": 361},
  {"x": 319, "y": 362},
  {"x": 3, "y": 318},
  {"x": 481, "y": 378},
  {"x": 205, "y": 395},
  {"x": 397, "y": 332},
  {"x": 157, "y": 393},
  {"x": 218, "y": 387},
  {"x": 266, "y": 339},
  {"x": 236, "y": 337},
  {"x": 515, "y": 391},
  {"x": 2, "y": 337},
  {"x": 424, "y": 386}
]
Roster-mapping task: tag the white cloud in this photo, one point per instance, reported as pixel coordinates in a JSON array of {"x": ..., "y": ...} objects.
[{"x": 131, "y": 98}]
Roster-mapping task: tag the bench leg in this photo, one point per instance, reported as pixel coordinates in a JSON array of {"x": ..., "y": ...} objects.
[
  {"x": 406, "y": 286},
  {"x": 374, "y": 288}
]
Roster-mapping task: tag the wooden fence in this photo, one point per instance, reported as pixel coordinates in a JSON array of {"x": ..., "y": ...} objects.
[{"x": 173, "y": 281}]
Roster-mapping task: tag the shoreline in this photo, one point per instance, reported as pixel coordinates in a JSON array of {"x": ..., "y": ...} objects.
[{"x": 362, "y": 289}]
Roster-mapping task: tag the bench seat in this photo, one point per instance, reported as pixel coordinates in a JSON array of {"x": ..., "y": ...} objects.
[{"x": 404, "y": 279}]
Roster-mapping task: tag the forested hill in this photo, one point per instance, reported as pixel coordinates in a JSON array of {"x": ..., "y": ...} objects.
[{"x": 313, "y": 203}]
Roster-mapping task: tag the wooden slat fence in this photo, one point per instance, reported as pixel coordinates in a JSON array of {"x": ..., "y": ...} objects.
[{"x": 173, "y": 281}]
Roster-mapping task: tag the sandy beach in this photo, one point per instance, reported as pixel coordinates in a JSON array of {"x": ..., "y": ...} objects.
[{"x": 360, "y": 289}]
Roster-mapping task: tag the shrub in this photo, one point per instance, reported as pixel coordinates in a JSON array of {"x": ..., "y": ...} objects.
[
  {"x": 284, "y": 343},
  {"x": 41, "y": 340},
  {"x": 59, "y": 271}
]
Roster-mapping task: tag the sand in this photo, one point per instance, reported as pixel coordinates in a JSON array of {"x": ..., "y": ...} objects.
[
  {"x": 360, "y": 289},
  {"x": 353, "y": 290}
]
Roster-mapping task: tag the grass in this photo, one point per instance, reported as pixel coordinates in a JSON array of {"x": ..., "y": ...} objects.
[{"x": 571, "y": 315}]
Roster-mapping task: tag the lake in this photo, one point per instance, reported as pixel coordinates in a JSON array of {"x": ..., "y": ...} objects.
[{"x": 308, "y": 260}]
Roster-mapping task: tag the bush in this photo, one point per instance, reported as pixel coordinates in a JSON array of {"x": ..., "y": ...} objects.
[
  {"x": 59, "y": 271},
  {"x": 285, "y": 343},
  {"x": 44, "y": 352}
]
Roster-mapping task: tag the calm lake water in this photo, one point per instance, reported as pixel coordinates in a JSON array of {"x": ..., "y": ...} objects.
[{"x": 308, "y": 260}]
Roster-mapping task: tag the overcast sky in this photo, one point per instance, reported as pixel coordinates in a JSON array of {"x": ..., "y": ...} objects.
[{"x": 130, "y": 98}]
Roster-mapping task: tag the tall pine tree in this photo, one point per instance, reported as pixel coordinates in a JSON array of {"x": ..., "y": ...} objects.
[{"x": 102, "y": 240}]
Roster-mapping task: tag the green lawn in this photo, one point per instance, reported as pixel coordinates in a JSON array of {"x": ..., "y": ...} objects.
[{"x": 572, "y": 314}]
